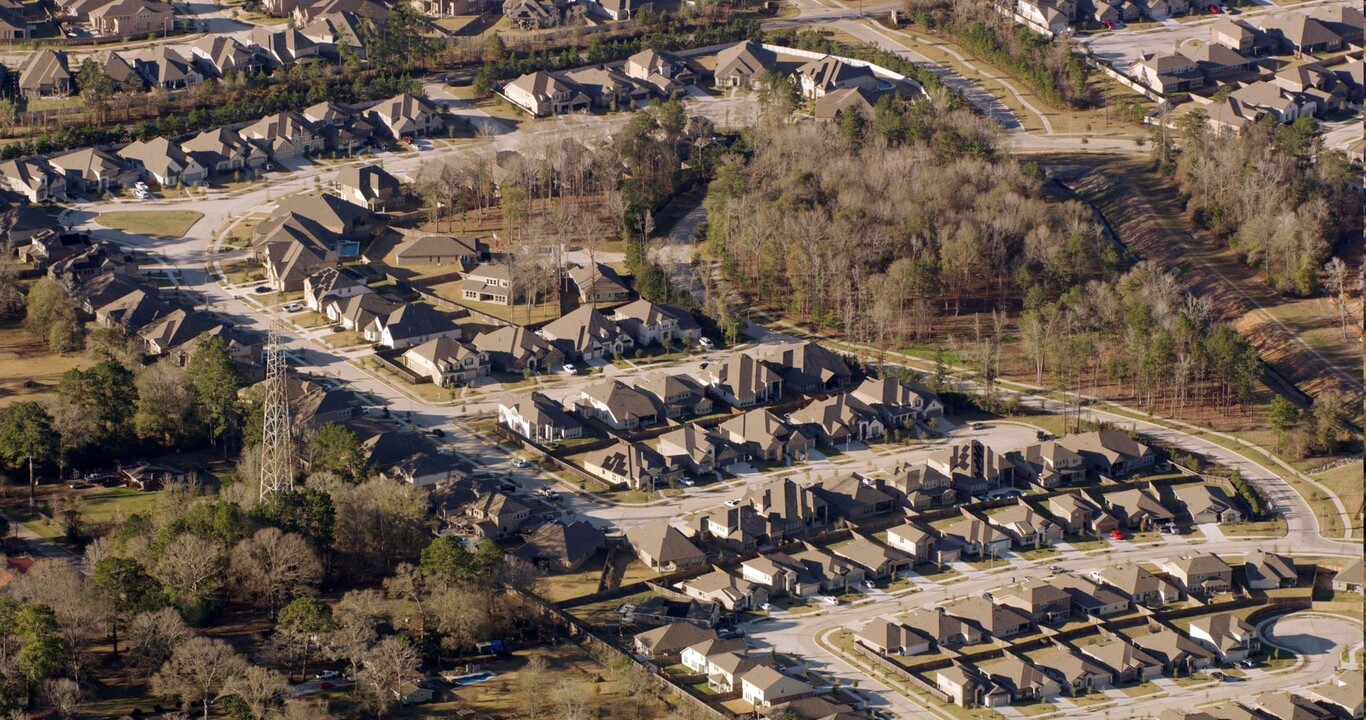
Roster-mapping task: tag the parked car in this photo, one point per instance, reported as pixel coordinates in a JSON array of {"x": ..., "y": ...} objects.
[
  {"x": 293, "y": 307},
  {"x": 262, "y": 289},
  {"x": 705, "y": 342},
  {"x": 569, "y": 370},
  {"x": 328, "y": 675},
  {"x": 733, "y": 503},
  {"x": 830, "y": 600},
  {"x": 438, "y": 432},
  {"x": 1116, "y": 535},
  {"x": 520, "y": 463}
]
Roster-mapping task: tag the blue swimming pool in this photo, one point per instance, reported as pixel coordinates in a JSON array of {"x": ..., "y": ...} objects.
[{"x": 473, "y": 678}]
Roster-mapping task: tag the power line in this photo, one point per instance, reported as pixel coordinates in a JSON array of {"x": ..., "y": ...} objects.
[{"x": 277, "y": 446}]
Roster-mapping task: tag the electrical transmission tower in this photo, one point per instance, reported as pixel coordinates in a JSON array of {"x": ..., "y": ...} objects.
[{"x": 277, "y": 447}]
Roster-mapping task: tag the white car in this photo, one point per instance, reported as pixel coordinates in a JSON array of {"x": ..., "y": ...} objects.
[
  {"x": 765, "y": 607},
  {"x": 328, "y": 675},
  {"x": 293, "y": 307},
  {"x": 569, "y": 370},
  {"x": 733, "y": 503},
  {"x": 705, "y": 342},
  {"x": 830, "y": 600},
  {"x": 687, "y": 482},
  {"x": 520, "y": 463}
]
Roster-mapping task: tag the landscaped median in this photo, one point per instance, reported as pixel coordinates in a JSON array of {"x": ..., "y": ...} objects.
[{"x": 152, "y": 223}]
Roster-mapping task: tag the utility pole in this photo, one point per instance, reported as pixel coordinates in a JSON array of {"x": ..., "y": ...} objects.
[{"x": 277, "y": 446}]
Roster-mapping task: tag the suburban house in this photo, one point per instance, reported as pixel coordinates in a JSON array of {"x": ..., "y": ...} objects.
[
  {"x": 1285, "y": 705},
  {"x": 941, "y": 627},
  {"x": 489, "y": 283},
  {"x": 806, "y": 367},
  {"x": 1301, "y": 34},
  {"x": 370, "y": 186},
  {"x": 878, "y": 562},
  {"x": 332, "y": 283},
  {"x": 697, "y": 450},
  {"x": 220, "y": 56},
  {"x": 1200, "y": 574},
  {"x": 671, "y": 640},
  {"x": 973, "y": 467},
  {"x": 222, "y": 151},
  {"x": 285, "y": 135},
  {"x": 976, "y": 537},
  {"x": 1048, "y": 465},
  {"x": 789, "y": 509},
  {"x": 649, "y": 323},
  {"x": 732, "y": 593},
  {"x": 835, "y": 573},
  {"x": 1023, "y": 680},
  {"x": 539, "y": 418},
  {"x": 679, "y": 395},
  {"x": 164, "y": 162},
  {"x": 1341, "y": 693},
  {"x": 662, "y": 69},
  {"x": 174, "y": 329},
  {"x": 664, "y": 548},
  {"x": 897, "y": 403},
  {"x": 1043, "y": 14},
  {"x": 1348, "y": 579},
  {"x": 123, "y": 74},
  {"x": 966, "y": 686},
  {"x": 732, "y": 531},
  {"x": 919, "y": 486},
  {"x": 1074, "y": 672},
  {"x": 342, "y": 127},
  {"x": 830, "y": 73},
  {"x": 1264, "y": 571},
  {"x": 695, "y": 657},
  {"x": 1090, "y": 599},
  {"x": 1110, "y": 453},
  {"x": 620, "y": 406},
  {"x": 126, "y": 18},
  {"x": 634, "y": 464},
  {"x": 1345, "y": 21},
  {"x": 1139, "y": 585},
  {"x": 1241, "y": 37},
  {"x": 1215, "y": 61},
  {"x": 284, "y": 47},
  {"x": 740, "y": 65},
  {"x": 995, "y": 621},
  {"x": 407, "y": 115},
  {"x": 1226, "y": 634},
  {"x": 723, "y": 669},
  {"x": 1137, "y": 507},
  {"x": 887, "y": 638},
  {"x": 450, "y": 8},
  {"x": 497, "y": 515},
  {"x": 517, "y": 350},
  {"x": 766, "y": 437},
  {"x": 356, "y": 312},
  {"x": 167, "y": 68},
  {"x": 1207, "y": 504},
  {"x": 409, "y": 325},
  {"x": 781, "y": 574},
  {"x": 533, "y": 14},
  {"x": 1040, "y": 599},
  {"x": 587, "y": 334},
  {"x": 34, "y": 179},
  {"x": 46, "y": 74},
  {"x": 1127, "y": 662},
  {"x": 447, "y": 361},
  {"x": 598, "y": 283},
  {"x": 854, "y": 497},
  {"x": 839, "y": 419},
  {"x": 1026, "y": 528},
  {"x": 1178, "y": 653},
  {"x": 741, "y": 381},
  {"x": 541, "y": 93},
  {"x": 440, "y": 250},
  {"x": 917, "y": 542},
  {"x": 1273, "y": 99},
  {"x": 609, "y": 88},
  {"x": 764, "y": 687}
]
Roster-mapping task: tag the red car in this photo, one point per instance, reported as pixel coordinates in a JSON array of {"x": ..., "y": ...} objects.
[
  {"x": 1109, "y": 24},
  {"x": 1214, "y": 9},
  {"x": 1117, "y": 535}
]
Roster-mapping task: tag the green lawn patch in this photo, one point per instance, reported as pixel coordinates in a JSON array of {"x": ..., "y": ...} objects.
[{"x": 152, "y": 223}]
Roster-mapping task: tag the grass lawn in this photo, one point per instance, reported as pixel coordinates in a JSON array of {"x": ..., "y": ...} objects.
[
  {"x": 566, "y": 586},
  {"x": 152, "y": 223},
  {"x": 1095, "y": 698},
  {"x": 1039, "y": 554},
  {"x": 1140, "y": 690},
  {"x": 1345, "y": 482},
  {"x": 28, "y": 371},
  {"x": 605, "y": 612},
  {"x": 104, "y": 504},
  {"x": 1270, "y": 528}
]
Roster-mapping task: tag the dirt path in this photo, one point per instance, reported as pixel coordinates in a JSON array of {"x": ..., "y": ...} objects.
[{"x": 1147, "y": 215}]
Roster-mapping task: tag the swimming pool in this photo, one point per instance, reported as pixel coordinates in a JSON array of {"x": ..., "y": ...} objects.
[{"x": 473, "y": 678}]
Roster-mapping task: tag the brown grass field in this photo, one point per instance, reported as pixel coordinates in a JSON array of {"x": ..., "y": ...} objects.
[{"x": 27, "y": 370}]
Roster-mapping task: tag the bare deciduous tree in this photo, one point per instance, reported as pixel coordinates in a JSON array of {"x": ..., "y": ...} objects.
[
  {"x": 387, "y": 667},
  {"x": 273, "y": 567},
  {"x": 198, "y": 671}
]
